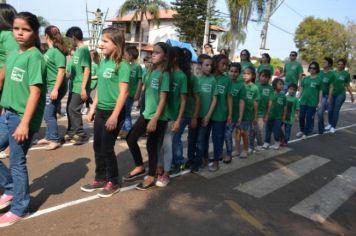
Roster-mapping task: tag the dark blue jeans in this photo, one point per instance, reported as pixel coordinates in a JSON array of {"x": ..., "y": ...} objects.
[
  {"x": 321, "y": 111},
  {"x": 285, "y": 136},
  {"x": 218, "y": 134},
  {"x": 177, "y": 144},
  {"x": 306, "y": 114},
  {"x": 15, "y": 179},
  {"x": 128, "y": 121},
  {"x": 335, "y": 107},
  {"x": 202, "y": 147},
  {"x": 228, "y": 137},
  {"x": 50, "y": 114},
  {"x": 273, "y": 126}
]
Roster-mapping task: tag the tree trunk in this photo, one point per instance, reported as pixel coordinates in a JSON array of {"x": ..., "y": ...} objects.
[{"x": 233, "y": 46}]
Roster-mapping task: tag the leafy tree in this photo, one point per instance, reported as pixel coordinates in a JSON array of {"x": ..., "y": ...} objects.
[
  {"x": 43, "y": 21},
  {"x": 141, "y": 9},
  {"x": 317, "y": 38},
  {"x": 351, "y": 38}
]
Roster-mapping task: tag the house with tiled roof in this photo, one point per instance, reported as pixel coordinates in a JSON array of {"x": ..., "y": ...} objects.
[{"x": 153, "y": 33}]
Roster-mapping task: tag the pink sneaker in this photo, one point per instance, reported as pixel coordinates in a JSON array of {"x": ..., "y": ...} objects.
[
  {"x": 5, "y": 200},
  {"x": 8, "y": 219},
  {"x": 162, "y": 181}
]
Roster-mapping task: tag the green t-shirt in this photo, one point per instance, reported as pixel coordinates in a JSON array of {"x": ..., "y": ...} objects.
[
  {"x": 223, "y": 86},
  {"x": 136, "y": 74},
  {"x": 155, "y": 82},
  {"x": 54, "y": 60},
  {"x": 194, "y": 87},
  {"x": 293, "y": 105},
  {"x": 93, "y": 72},
  {"x": 278, "y": 103},
  {"x": 244, "y": 65},
  {"x": 207, "y": 87},
  {"x": 22, "y": 71},
  {"x": 292, "y": 70},
  {"x": 262, "y": 67},
  {"x": 342, "y": 79},
  {"x": 81, "y": 59},
  {"x": 326, "y": 80},
  {"x": 108, "y": 82},
  {"x": 251, "y": 95},
  {"x": 238, "y": 92},
  {"x": 8, "y": 44},
  {"x": 310, "y": 94},
  {"x": 179, "y": 86},
  {"x": 266, "y": 95}
]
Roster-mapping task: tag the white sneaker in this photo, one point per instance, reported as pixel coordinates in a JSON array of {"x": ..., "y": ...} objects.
[
  {"x": 4, "y": 155},
  {"x": 299, "y": 134},
  {"x": 276, "y": 145},
  {"x": 258, "y": 148},
  {"x": 304, "y": 137},
  {"x": 332, "y": 130},
  {"x": 328, "y": 127},
  {"x": 265, "y": 146},
  {"x": 250, "y": 151}
]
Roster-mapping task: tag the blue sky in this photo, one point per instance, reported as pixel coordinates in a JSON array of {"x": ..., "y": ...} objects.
[{"x": 66, "y": 13}]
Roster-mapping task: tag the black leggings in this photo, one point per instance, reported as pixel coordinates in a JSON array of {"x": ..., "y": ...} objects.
[
  {"x": 153, "y": 143},
  {"x": 104, "y": 142}
]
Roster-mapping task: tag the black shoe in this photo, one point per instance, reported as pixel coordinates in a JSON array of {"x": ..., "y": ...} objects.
[
  {"x": 109, "y": 190},
  {"x": 95, "y": 185},
  {"x": 134, "y": 177},
  {"x": 142, "y": 187},
  {"x": 79, "y": 139}
]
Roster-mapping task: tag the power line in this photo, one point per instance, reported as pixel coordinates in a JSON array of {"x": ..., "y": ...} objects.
[
  {"x": 277, "y": 7},
  {"x": 280, "y": 28},
  {"x": 295, "y": 11}
]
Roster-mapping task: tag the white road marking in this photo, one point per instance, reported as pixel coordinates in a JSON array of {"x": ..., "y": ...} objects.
[
  {"x": 274, "y": 180},
  {"x": 325, "y": 201}
]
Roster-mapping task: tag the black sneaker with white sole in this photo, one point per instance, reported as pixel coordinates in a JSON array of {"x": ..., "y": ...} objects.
[
  {"x": 109, "y": 190},
  {"x": 96, "y": 185}
]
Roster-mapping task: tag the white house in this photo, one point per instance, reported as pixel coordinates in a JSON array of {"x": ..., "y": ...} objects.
[{"x": 153, "y": 33}]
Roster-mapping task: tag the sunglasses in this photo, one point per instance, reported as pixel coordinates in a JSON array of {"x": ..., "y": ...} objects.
[
  {"x": 340, "y": 64},
  {"x": 292, "y": 55},
  {"x": 243, "y": 54},
  {"x": 312, "y": 68}
]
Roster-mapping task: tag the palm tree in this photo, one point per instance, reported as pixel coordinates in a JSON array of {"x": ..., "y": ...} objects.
[
  {"x": 141, "y": 8},
  {"x": 240, "y": 13}
]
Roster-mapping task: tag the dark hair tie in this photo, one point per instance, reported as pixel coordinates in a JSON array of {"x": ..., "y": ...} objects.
[{"x": 54, "y": 30}]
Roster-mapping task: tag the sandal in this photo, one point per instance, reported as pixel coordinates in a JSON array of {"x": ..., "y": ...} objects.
[
  {"x": 130, "y": 177},
  {"x": 141, "y": 186}
]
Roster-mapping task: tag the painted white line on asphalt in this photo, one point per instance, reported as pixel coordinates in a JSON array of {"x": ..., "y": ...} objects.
[
  {"x": 87, "y": 199},
  {"x": 325, "y": 201},
  {"x": 314, "y": 135},
  {"x": 274, "y": 180}
]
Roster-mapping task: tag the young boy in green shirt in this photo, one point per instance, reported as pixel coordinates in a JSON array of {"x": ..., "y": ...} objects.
[
  {"x": 79, "y": 86},
  {"x": 292, "y": 113}
]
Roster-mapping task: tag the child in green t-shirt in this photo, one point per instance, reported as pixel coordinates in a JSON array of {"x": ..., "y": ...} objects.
[
  {"x": 219, "y": 116},
  {"x": 276, "y": 116},
  {"x": 154, "y": 119},
  {"x": 249, "y": 118},
  {"x": 23, "y": 100},
  {"x": 264, "y": 106},
  {"x": 108, "y": 112},
  {"x": 208, "y": 92},
  {"x": 134, "y": 89},
  {"x": 236, "y": 107},
  {"x": 292, "y": 113}
]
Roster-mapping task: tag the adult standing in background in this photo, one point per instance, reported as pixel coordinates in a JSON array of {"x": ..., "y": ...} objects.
[{"x": 293, "y": 71}]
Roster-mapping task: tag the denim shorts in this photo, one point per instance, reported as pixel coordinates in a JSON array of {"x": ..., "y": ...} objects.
[{"x": 245, "y": 125}]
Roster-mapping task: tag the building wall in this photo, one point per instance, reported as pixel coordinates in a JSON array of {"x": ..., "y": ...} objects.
[{"x": 163, "y": 32}]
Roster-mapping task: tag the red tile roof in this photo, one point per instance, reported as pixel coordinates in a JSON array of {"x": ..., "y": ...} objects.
[{"x": 163, "y": 14}]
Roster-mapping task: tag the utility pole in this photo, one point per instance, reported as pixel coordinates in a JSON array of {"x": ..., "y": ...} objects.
[
  {"x": 265, "y": 26},
  {"x": 207, "y": 23},
  {"x": 95, "y": 27}
]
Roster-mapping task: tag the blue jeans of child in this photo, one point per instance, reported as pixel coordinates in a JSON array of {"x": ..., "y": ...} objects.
[
  {"x": 218, "y": 134},
  {"x": 273, "y": 126},
  {"x": 306, "y": 114},
  {"x": 178, "y": 158},
  {"x": 321, "y": 111},
  {"x": 335, "y": 107},
  {"x": 202, "y": 147},
  {"x": 50, "y": 114},
  {"x": 15, "y": 179},
  {"x": 285, "y": 136},
  {"x": 228, "y": 137},
  {"x": 128, "y": 121}
]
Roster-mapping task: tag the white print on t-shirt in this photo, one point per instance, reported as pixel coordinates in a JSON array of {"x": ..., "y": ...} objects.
[
  {"x": 280, "y": 101},
  {"x": 265, "y": 92},
  {"x": 220, "y": 89},
  {"x": 154, "y": 83},
  {"x": 312, "y": 84},
  {"x": 294, "y": 67},
  {"x": 108, "y": 73},
  {"x": 17, "y": 74},
  {"x": 175, "y": 85},
  {"x": 75, "y": 59},
  {"x": 46, "y": 57},
  {"x": 249, "y": 95},
  {"x": 235, "y": 92},
  {"x": 206, "y": 88},
  {"x": 326, "y": 80},
  {"x": 341, "y": 78}
]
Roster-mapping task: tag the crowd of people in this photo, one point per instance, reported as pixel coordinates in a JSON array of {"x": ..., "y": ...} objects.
[{"x": 228, "y": 100}]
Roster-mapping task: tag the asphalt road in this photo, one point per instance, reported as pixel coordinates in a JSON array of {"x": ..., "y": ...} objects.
[{"x": 305, "y": 189}]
